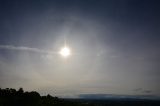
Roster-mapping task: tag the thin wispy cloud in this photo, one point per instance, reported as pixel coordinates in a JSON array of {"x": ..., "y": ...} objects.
[{"x": 24, "y": 48}]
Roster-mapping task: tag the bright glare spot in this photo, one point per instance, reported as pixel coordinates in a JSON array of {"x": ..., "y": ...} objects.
[{"x": 65, "y": 52}]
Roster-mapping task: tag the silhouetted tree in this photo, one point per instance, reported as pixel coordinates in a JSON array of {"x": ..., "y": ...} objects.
[{"x": 20, "y": 90}]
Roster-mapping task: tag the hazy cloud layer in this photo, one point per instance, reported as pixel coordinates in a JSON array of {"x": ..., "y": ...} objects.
[{"x": 115, "y": 46}]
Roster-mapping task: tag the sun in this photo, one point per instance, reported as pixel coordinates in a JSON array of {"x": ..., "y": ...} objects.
[{"x": 65, "y": 52}]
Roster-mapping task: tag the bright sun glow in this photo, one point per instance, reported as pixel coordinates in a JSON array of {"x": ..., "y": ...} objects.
[{"x": 65, "y": 52}]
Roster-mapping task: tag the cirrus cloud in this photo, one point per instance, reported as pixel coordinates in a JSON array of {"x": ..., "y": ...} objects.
[{"x": 24, "y": 48}]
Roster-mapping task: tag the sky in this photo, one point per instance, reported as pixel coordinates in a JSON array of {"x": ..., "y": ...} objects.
[{"x": 114, "y": 46}]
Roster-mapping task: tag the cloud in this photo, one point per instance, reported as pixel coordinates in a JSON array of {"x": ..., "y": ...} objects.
[
  {"x": 147, "y": 91},
  {"x": 142, "y": 90},
  {"x": 138, "y": 89},
  {"x": 24, "y": 48}
]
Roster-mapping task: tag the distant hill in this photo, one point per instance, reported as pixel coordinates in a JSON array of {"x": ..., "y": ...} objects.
[
  {"x": 12, "y": 97},
  {"x": 114, "y": 96}
]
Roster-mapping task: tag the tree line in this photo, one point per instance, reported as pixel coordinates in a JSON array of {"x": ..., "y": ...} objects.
[{"x": 13, "y": 97}]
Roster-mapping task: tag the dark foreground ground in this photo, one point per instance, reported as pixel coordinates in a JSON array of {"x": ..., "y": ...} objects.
[{"x": 11, "y": 97}]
